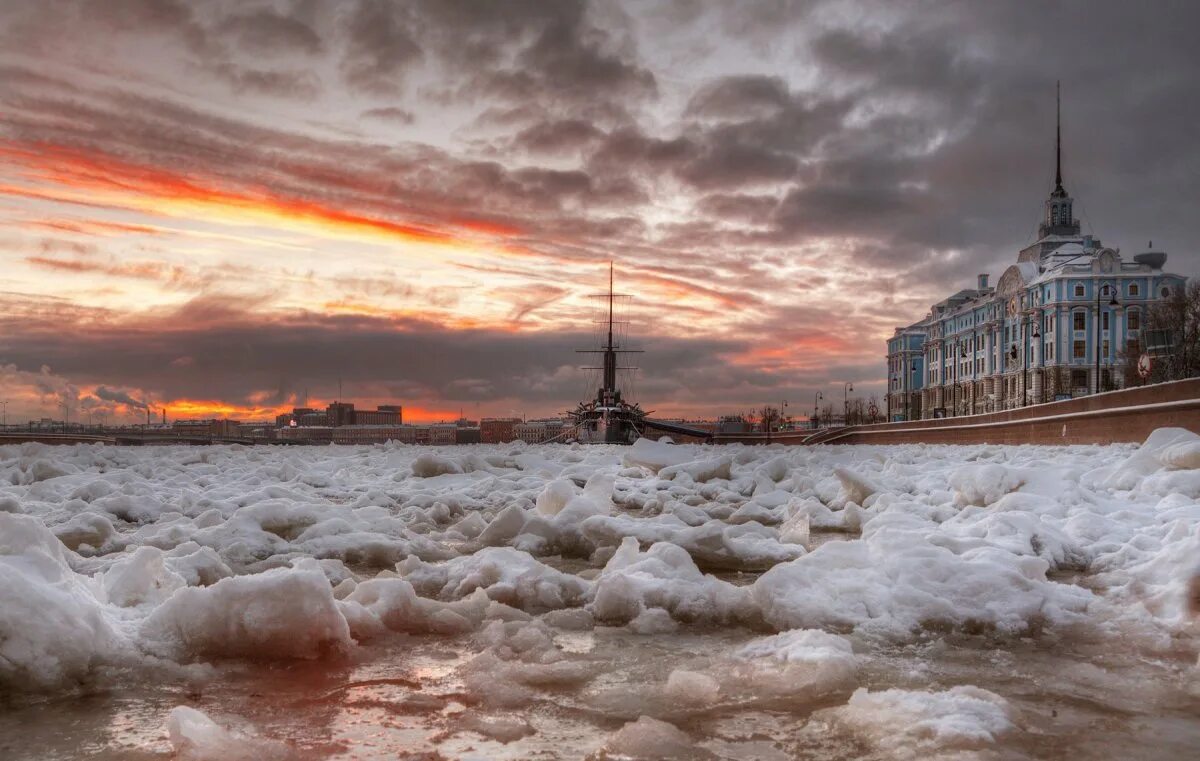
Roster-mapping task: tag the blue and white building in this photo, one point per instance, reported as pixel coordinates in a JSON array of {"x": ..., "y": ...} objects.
[{"x": 1056, "y": 325}]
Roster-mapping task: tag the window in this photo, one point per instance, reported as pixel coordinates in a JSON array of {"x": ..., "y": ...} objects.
[
  {"x": 1134, "y": 321},
  {"x": 1104, "y": 321},
  {"x": 1079, "y": 350},
  {"x": 1133, "y": 289},
  {"x": 1165, "y": 292},
  {"x": 1104, "y": 351},
  {"x": 1079, "y": 290},
  {"x": 1080, "y": 321},
  {"x": 1079, "y": 378}
]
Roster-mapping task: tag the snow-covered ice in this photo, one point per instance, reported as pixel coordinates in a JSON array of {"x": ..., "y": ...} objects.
[{"x": 649, "y": 601}]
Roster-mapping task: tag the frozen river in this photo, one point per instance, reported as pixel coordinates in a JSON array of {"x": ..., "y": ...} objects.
[{"x": 654, "y": 601}]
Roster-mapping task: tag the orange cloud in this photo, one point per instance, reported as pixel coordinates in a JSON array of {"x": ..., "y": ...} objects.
[
  {"x": 87, "y": 177},
  {"x": 92, "y": 227},
  {"x": 211, "y": 408}
]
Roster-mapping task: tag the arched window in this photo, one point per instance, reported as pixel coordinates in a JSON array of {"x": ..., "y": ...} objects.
[
  {"x": 1054, "y": 215},
  {"x": 1133, "y": 320},
  {"x": 1165, "y": 292}
]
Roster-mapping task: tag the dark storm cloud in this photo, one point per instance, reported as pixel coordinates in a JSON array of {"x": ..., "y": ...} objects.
[
  {"x": 120, "y": 397},
  {"x": 390, "y": 114},
  {"x": 288, "y": 84},
  {"x": 880, "y": 165},
  {"x": 233, "y": 354},
  {"x": 563, "y": 136},
  {"x": 380, "y": 46},
  {"x": 265, "y": 31}
]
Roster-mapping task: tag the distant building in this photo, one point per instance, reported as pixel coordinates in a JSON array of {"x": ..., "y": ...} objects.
[
  {"x": 207, "y": 427},
  {"x": 261, "y": 429},
  {"x": 340, "y": 413},
  {"x": 464, "y": 434},
  {"x": 368, "y": 434},
  {"x": 310, "y": 434},
  {"x": 539, "y": 431},
  {"x": 396, "y": 408},
  {"x": 497, "y": 430},
  {"x": 442, "y": 434}
]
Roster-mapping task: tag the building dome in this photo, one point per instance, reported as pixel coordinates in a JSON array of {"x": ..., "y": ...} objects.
[{"x": 1152, "y": 259}]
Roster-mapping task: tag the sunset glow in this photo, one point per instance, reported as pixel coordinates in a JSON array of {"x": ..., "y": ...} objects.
[{"x": 225, "y": 213}]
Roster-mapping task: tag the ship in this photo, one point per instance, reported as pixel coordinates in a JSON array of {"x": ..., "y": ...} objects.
[{"x": 608, "y": 418}]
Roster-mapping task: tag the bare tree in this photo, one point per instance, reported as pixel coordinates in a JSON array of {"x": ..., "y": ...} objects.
[
  {"x": 1171, "y": 335},
  {"x": 827, "y": 414},
  {"x": 769, "y": 418}
]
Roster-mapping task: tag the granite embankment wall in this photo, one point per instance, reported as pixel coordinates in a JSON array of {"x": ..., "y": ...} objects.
[{"x": 1128, "y": 415}]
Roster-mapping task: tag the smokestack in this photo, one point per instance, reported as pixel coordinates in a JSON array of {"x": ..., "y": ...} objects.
[{"x": 983, "y": 282}]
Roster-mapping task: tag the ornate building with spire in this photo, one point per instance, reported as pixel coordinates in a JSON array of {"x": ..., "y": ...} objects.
[{"x": 1056, "y": 325}]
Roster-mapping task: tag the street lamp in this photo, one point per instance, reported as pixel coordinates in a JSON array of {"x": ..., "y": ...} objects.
[
  {"x": 1030, "y": 334},
  {"x": 1096, "y": 348},
  {"x": 846, "y": 389},
  {"x": 816, "y": 413},
  {"x": 782, "y": 407}
]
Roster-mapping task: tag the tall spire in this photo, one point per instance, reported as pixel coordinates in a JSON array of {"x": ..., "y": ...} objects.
[{"x": 1058, "y": 186}]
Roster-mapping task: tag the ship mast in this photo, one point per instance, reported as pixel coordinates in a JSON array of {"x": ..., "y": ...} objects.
[
  {"x": 610, "y": 354},
  {"x": 608, "y": 395}
]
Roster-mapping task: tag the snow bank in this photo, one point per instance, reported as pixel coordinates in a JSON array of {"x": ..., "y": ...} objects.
[
  {"x": 1165, "y": 448},
  {"x": 282, "y": 613},
  {"x": 196, "y": 737},
  {"x": 509, "y": 576},
  {"x": 193, "y": 553},
  {"x": 654, "y": 455},
  {"x": 53, "y": 629},
  {"x": 896, "y": 581},
  {"x": 664, "y": 577},
  {"x": 984, "y": 484},
  {"x": 916, "y": 724},
  {"x": 650, "y": 738}
]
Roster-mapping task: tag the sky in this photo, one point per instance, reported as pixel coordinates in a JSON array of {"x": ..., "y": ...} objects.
[{"x": 229, "y": 208}]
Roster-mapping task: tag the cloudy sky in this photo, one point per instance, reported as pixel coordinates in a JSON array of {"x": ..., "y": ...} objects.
[{"x": 223, "y": 206}]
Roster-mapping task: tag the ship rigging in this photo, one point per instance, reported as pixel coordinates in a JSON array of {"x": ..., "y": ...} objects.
[{"x": 608, "y": 418}]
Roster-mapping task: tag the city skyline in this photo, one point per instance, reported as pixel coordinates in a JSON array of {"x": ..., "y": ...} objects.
[{"x": 227, "y": 208}]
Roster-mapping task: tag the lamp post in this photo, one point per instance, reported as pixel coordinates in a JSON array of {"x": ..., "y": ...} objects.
[
  {"x": 1030, "y": 334},
  {"x": 1096, "y": 348},
  {"x": 816, "y": 414},
  {"x": 4, "y": 405},
  {"x": 782, "y": 407},
  {"x": 846, "y": 389}
]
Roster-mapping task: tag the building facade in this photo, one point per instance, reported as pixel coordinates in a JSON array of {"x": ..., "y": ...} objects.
[
  {"x": 498, "y": 430},
  {"x": 1061, "y": 322},
  {"x": 539, "y": 431}
]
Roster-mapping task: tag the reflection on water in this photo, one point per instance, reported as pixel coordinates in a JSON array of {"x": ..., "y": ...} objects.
[{"x": 406, "y": 698}]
